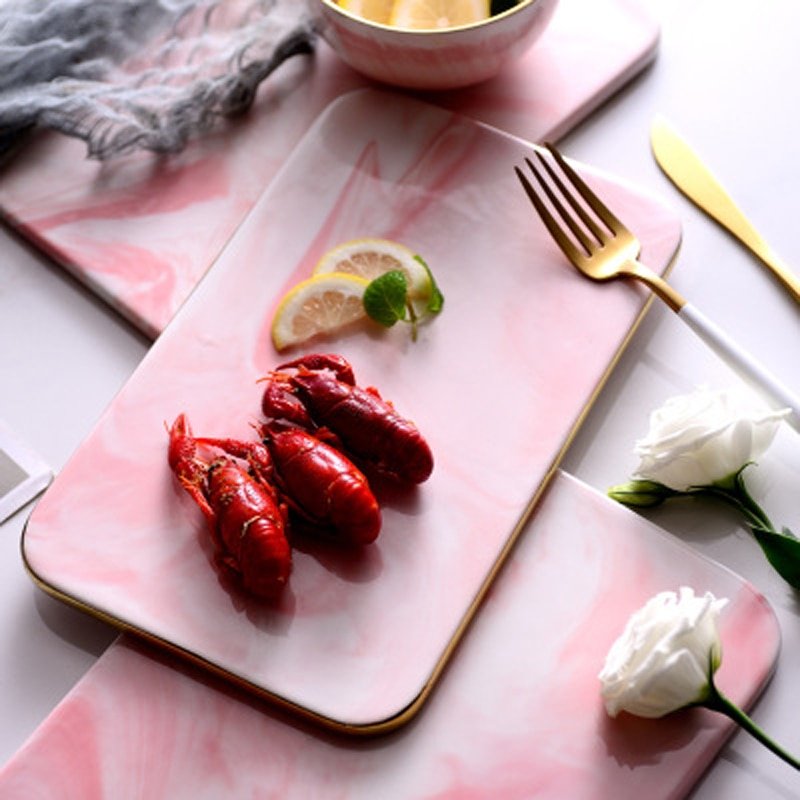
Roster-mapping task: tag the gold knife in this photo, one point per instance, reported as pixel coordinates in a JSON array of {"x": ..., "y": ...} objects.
[{"x": 692, "y": 177}]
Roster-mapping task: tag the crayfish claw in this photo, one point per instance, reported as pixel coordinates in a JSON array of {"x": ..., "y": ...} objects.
[
  {"x": 339, "y": 365},
  {"x": 187, "y": 467},
  {"x": 280, "y": 402},
  {"x": 182, "y": 454}
]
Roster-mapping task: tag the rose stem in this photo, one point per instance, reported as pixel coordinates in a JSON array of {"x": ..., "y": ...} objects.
[
  {"x": 716, "y": 701},
  {"x": 734, "y": 491}
]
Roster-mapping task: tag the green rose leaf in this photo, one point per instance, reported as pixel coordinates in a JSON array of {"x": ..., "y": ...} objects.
[
  {"x": 782, "y": 551},
  {"x": 385, "y": 298}
]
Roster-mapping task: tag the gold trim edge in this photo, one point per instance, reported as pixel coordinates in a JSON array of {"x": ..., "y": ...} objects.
[{"x": 408, "y": 712}]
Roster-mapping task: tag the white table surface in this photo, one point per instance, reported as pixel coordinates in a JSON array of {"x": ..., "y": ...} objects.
[{"x": 726, "y": 76}]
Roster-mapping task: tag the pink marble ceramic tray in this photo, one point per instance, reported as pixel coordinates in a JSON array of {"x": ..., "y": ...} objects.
[
  {"x": 497, "y": 383},
  {"x": 516, "y": 715},
  {"x": 142, "y": 231}
]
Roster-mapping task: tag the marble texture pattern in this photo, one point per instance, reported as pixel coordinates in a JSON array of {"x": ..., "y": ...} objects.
[
  {"x": 141, "y": 231},
  {"x": 497, "y": 383},
  {"x": 517, "y": 714}
]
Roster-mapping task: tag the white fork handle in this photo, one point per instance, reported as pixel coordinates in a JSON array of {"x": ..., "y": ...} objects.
[{"x": 742, "y": 362}]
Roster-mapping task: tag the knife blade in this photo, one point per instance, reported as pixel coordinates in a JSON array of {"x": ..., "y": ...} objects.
[{"x": 683, "y": 167}]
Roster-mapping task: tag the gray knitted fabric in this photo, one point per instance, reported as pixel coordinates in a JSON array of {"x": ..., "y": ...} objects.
[{"x": 139, "y": 74}]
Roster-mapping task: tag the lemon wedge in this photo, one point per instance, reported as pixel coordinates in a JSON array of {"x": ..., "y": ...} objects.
[
  {"x": 321, "y": 304},
  {"x": 369, "y": 258},
  {"x": 373, "y": 10},
  {"x": 437, "y": 14}
]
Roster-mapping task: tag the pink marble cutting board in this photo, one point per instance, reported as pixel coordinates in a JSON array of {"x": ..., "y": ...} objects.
[
  {"x": 516, "y": 715},
  {"x": 142, "y": 231},
  {"x": 497, "y": 384}
]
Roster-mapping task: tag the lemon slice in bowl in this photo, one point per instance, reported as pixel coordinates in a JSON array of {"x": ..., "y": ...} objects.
[
  {"x": 372, "y": 10},
  {"x": 438, "y": 14},
  {"x": 369, "y": 258},
  {"x": 321, "y": 304}
]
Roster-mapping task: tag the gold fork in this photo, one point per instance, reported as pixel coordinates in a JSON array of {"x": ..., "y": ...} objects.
[{"x": 603, "y": 249}]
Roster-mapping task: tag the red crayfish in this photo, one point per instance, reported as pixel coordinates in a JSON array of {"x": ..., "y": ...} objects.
[
  {"x": 247, "y": 509},
  {"x": 316, "y": 481},
  {"x": 322, "y": 397},
  {"x": 317, "y": 418},
  {"x": 247, "y": 520}
]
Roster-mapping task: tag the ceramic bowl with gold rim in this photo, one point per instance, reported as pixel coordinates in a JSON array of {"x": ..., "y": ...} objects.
[{"x": 446, "y": 58}]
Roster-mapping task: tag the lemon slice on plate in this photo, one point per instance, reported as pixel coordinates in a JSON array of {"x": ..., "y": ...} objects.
[
  {"x": 373, "y": 10},
  {"x": 369, "y": 258},
  {"x": 437, "y": 14},
  {"x": 321, "y": 304}
]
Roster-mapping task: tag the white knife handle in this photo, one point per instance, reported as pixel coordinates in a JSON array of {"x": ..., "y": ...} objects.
[{"x": 743, "y": 363}]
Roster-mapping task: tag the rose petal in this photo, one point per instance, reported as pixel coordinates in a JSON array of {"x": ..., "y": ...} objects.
[
  {"x": 704, "y": 437},
  {"x": 665, "y": 656}
]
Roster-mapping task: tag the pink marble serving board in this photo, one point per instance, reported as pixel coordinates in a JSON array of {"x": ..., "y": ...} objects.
[
  {"x": 517, "y": 714},
  {"x": 497, "y": 383},
  {"x": 141, "y": 231}
]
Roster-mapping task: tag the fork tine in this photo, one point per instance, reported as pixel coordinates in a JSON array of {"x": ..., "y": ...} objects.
[
  {"x": 556, "y": 231},
  {"x": 577, "y": 207},
  {"x": 585, "y": 192},
  {"x": 556, "y": 203}
]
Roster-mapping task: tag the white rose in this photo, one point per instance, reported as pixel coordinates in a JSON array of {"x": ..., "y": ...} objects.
[
  {"x": 666, "y": 657},
  {"x": 704, "y": 437}
]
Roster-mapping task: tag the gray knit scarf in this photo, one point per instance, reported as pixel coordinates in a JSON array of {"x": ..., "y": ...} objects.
[{"x": 139, "y": 74}]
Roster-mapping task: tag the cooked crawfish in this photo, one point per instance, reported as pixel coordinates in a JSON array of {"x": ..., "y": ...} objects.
[
  {"x": 322, "y": 396},
  {"x": 317, "y": 482},
  {"x": 247, "y": 522}
]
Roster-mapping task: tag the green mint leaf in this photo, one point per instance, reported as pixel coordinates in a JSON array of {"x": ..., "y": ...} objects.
[
  {"x": 385, "y": 298},
  {"x": 782, "y": 551},
  {"x": 436, "y": 298}
]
